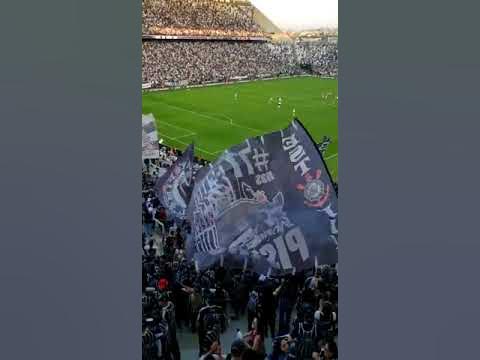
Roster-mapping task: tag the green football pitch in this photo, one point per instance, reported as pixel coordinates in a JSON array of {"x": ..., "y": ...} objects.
[{"x": 217, "y": 117}]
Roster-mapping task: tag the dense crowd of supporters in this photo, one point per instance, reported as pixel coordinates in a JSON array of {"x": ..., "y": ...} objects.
[
  {"x": 294, "y": 315},
  {"x": 168, "y": 63},
  {"x": 197, "y": 62},
  {"x": 197, "y": 15},
  {"x": 322, "y": 56}
]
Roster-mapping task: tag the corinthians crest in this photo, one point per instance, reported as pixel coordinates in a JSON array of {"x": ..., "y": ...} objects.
[
  {"x": 317, "y": 195},
  {"x": 314, "y": 190}
]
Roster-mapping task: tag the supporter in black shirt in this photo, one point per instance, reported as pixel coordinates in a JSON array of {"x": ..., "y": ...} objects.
[
  {"x": 269, "y": 307},
  {"x": 306, "y": 334},
  {"x": 286, "y": 294}
]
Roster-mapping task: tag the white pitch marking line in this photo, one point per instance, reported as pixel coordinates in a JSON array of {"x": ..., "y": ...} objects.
[
  {"x": 183, "y": 136},
  {"x": 331, "y": 156},
  {"x": 179, "y": 137},
  {"x": 246, "y": 127},
  {"x": 185, "y": 143},
  {"x": 174, "y": 126},
  {"x": 211, "y": 117}
]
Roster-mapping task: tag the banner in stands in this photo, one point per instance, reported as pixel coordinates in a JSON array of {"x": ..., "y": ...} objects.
[
  {"x": 175, "y": 187},
  {"x": 150, "y": 148},
  {"x": 269, "y": 200}
]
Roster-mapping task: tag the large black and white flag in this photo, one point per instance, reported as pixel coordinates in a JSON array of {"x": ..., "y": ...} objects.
[
  {"x": 175, "y": 187},
  {"x": 150, "y": 149},
  {"x": 269, "y": 199}
]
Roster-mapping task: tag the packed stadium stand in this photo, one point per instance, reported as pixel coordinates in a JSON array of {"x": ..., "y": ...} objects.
[
  {"x": 183, "y": 14},
  {"x": 194, "y": 42},
  {"x": 322, "y": 56}
]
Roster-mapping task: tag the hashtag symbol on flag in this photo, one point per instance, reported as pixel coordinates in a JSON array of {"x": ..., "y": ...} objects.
[{"x": 261, "y": 160}]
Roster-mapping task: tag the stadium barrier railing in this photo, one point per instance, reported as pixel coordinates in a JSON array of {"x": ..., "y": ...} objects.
[{"x": 205, "y": 37}]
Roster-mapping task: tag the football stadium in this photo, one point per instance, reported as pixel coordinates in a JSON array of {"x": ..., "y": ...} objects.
[{"x": 239, "y": 183}]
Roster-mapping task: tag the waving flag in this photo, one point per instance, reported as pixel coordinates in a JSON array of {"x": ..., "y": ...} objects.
[
  {"x": 269, "y": 199},
  {"x": 150, "y": 148},
  {"x": 174, "y": 188}
]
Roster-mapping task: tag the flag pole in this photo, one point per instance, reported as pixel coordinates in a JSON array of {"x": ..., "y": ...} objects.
[{"x": 245, "y": 263}]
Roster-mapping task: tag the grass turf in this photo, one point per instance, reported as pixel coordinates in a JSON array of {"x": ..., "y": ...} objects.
[{"x": 215, "y": 120}]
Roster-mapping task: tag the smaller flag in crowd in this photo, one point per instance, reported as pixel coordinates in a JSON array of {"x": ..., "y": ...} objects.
[
  {"x": 150, "y": 149},
  {"x": 174, "y": 188}
]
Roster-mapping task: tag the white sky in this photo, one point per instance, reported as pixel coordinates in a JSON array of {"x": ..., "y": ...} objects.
[{"x": 300, "y": 14}]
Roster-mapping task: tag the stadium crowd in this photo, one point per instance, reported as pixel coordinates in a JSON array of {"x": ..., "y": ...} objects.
[
  {"x": 321, "y": 55},
  {"x": 198, "y": 62},
  {"x": 294, "y": 315},
  {"x": 167, "y": 157},
  {"x": 197, "y": 15},
  {"x": 167, "y": 63}
]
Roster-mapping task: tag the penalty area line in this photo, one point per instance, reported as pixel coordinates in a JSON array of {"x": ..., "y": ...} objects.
[
  {"x": 331, "y": 156},
  {"x": 184, "y": 136},
  {"x": 185, "y": 143},
  {"x": 211, "y": 117}
]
